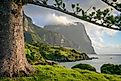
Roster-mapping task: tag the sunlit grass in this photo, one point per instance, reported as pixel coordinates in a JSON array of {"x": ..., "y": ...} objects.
[{"x": 59, "y": 73}]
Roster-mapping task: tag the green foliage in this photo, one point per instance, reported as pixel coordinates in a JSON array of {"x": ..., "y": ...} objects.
[
  {"x": 60, "y": 4},
  {"x": 118, "y": 5},
  {"x": 33, "y": 55},
  {"x": 37, "y": 53},
  {"x": 118, "y": 21},
  {"x": 60, "y": 53},
  {"x": 59, "y": 73},
  {"x": 76, "y": 8},
  {"x": 84, "y": 67},
  {"x": 111, "y": 69},
  {"x": 44, "y": 1},
  {"x": 98, "y": 16},
  {"x": 73, "y": 6}
]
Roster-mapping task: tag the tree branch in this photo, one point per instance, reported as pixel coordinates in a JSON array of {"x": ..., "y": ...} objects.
[
  {"x": 109, "y": 4},
  {"x": 71, "y": 14}
]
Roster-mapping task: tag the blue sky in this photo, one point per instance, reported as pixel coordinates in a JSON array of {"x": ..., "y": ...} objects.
[
  {"x": 104, "y": 41},
  {"x": 116, "y": 39}
]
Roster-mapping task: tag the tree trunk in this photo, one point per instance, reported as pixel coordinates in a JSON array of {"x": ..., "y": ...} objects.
[{"x": 12, "y": 58}]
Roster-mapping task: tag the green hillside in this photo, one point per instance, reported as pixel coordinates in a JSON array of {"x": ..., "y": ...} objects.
[
  {"x": 59, "y": 73},
  {"x": 38, "y": 53}
]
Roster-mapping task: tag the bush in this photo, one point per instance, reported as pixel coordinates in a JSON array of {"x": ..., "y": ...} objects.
[
  {"x": 33, "y": 55},
  {"x": 74, "y": 51},
  {"x": 111, "y": 69},
  {"x": 84, "y": 67}
]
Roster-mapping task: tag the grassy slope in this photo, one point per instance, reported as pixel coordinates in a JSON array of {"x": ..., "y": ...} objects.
[
  {"x": 49, "y": 52},
  {"x": 58, "y": 73},
  {"x": 33, "y": 54},
  {"x": 60, "y": 53}
]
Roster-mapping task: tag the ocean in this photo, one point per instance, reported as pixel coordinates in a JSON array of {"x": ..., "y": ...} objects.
[{"x": 97, "y": 63}]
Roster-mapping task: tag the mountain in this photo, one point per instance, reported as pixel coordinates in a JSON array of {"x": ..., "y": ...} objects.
[
  {"x": 30, "y": 33},
  {"x": 36, "y": 34},
  {"x": 39, "y": 52},
  {"x": 73, "y": 36},
  {"x": 76, "y": 33}
]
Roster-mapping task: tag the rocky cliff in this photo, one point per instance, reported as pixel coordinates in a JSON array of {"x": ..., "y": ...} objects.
[
  {"x": 37, "y": 34},
  {"x": 70, "y": 35},
  {"x": 30, "y": 33},
  {"x": 76, "y": 33}
]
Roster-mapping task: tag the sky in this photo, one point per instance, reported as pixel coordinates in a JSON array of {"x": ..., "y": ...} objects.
[{"x": 104, "y": 41}]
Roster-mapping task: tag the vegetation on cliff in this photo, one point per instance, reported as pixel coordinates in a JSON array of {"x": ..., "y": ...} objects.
[
  {"x": 36, "y": 53},
  {"x": 33, "y": 55}
]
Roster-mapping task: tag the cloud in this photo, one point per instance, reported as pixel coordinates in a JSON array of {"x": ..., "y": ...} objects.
[
  {"x": 96, "y": 34},
  {"x": 51, "y": 19},
  {"x": 55, "y": 19},
  {"x": 43, "y": 16},
  {"x": 111, "y": 49}
]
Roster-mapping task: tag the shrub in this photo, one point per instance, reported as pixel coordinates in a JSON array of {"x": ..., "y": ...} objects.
[
  {"x": 33, "y": 55},
  {"x": 84, "y": 67},
  {"x": 74, "y": 51},
  {"x": 111, "y": 69}
]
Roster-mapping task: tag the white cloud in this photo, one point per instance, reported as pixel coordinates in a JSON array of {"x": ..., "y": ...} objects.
[
  {"x": 51, "y": 19},
  {"x": 55, "y": 19},
  {"x": 110, "y": 49}
]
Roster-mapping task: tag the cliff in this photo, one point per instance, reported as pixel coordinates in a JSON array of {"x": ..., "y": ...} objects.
[
  {"x": 36, "y": 34},
  {"x": 41, "y": 50},
  {"x": 75, "y": 33},
  {"x": 30, "y": 34},
  {"x": 73, "y": 36}
]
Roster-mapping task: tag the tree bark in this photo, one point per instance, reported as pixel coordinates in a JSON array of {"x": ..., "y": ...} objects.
[{"x": 12, "y": 58}]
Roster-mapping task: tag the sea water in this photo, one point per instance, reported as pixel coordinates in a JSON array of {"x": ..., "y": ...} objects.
[{"x": 97, "y": 63}]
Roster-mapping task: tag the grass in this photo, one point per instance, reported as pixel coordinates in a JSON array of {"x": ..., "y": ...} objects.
[{"x": 59, "y": 73}]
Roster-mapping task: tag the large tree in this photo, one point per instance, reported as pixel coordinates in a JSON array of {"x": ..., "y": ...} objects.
[{"x": 12, "y": 58}]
